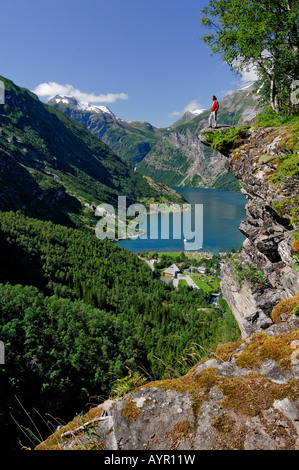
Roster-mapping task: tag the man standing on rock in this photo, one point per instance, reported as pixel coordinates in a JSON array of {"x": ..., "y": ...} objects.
[{"x": 214, "y": 111}]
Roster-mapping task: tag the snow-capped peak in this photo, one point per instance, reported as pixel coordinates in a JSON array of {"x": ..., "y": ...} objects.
[
  {"x": 83, "y": 106},
  {"x": 64, "y": 99},
  {"x": 94, "y": 108}
]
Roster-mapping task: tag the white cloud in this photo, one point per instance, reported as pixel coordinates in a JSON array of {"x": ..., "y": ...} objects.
[
  {"x": 249, "y": 76},
  {"x": 193, "y": 107},
  {"x": 247, "y": 73},
  {"x": 51, "y": 89}
]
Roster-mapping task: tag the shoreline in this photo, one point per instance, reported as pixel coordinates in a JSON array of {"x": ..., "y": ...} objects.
[
  {"x": 190, "y": 254},
  {"x": 171, "y": 210}
]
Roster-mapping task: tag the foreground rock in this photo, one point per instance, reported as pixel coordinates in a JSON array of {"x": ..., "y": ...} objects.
[{"x": 246, "y": 397}]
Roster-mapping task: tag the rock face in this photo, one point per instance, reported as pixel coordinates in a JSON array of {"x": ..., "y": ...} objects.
[
  {"x": 246, "y": 396},
  {"x": 182, "y": 160},
  {"x": 268, "y": 246}
]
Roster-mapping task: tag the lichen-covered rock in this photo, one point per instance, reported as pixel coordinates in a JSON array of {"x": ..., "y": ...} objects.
[{"x": 246, "y": 397}]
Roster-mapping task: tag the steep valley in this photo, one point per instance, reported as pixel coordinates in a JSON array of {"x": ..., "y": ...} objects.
[{"x": 246, "y": 395}]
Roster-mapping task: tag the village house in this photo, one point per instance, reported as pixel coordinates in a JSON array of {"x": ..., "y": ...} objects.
[
  {"x": 199, "y": 269},
  {"x": 172, "y": 271}
]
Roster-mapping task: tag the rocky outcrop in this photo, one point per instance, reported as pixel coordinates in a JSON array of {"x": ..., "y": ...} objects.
[
  {"x": 248, "y": 309},
  {"x": 268, "y": 247},
  {"x": 246, "y": 397}
]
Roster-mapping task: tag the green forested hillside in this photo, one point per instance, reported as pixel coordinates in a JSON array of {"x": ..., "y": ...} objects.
[
  {"x": 51, "y": 166},
  {"x": 78, "y": 312}
]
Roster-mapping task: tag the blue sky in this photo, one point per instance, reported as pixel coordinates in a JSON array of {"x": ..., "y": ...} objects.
[{"x": 144, "y": 59}]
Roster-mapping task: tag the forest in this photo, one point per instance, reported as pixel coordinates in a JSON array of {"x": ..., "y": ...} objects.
[{"x": 78, "y": 314}]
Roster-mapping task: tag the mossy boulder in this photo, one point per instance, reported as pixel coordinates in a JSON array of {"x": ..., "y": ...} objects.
[{"x": 244, "y": 398}]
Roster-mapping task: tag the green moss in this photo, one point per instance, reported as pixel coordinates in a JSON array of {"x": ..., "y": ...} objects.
[
  {"x": 198, "y": 385},
  {"x": 224, "y": 423},
  {"x": 131, "y": 410},
  {"x": 286, "y": 308},
  {"x": 249, "y": 358},
  {"x": 288, "y": 167},
  {"x": 287, "y": 163},
  {"x": 178, "y": 433},
  {"x": 251, "y": 394},
  {"x": 263, "y": 347},
  {"x": 269, "y": 118},
  {"x": 247, "y": 395},
  {"x": 277, "y": 349},
  {"x": 227, "y": 140},
  {"x": 225, "y": 351},
  {"x": 287, "y": 208},
  {"x": 295, "y": 245},
  {"x": 56, "y": 441}
]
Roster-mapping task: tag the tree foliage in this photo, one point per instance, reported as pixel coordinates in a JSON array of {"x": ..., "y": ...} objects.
[
  {"x": 263, "y": 34},
  {"x": 76, "y": 313}
]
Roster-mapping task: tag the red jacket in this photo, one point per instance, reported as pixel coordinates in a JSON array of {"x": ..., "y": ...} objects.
[{"x": 215, "y": 106}]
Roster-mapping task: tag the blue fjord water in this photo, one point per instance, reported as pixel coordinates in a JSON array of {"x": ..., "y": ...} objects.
[{"x": 222, "y": 213}]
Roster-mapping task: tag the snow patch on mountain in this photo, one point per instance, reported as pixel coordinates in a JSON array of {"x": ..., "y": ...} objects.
[
  {"x": 83, "y": 106},
  {"x": 94, "y": 108}
]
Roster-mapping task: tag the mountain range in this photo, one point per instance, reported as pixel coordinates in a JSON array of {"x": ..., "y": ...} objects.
[
  {"x": 130, "y": 140},
  {"x": 172, "y": 155},
  {"x": 53, "y": 168}
]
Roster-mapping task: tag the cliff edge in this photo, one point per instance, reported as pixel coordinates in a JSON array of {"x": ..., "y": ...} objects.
[{"x": 266, "y": 162}]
